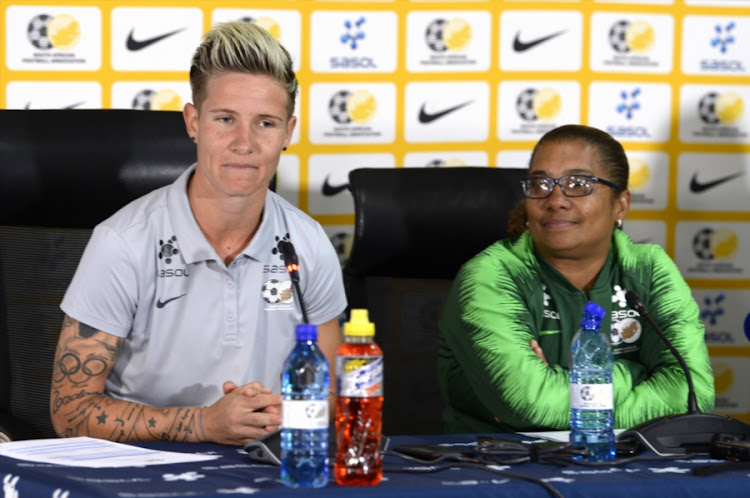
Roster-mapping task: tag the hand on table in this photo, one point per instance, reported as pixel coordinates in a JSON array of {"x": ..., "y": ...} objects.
[{"x": 243, "y": 414}]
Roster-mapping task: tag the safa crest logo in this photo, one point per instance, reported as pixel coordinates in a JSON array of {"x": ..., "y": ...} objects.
[
  {"x": 268, "y": 23},
  {"x": 542, "y": 104},
  {"x": 164, "y": 99},
  {"x": 635, "y": 37},
  {"x": 448, "y": 35},
  {"x": 719, "y": 244},
  {"x": 61, "y": 32},
  {"x": 358, "y": 107},
  {"x": 640, "y": 174},
  {"x": 721, "y": 108},
  {"x": 723, "y": 378}
]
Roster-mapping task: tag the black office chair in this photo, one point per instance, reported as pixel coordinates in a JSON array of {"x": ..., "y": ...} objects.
[
  {"x": 61, "y": 173},
  {"x": 414, "y": 228}
]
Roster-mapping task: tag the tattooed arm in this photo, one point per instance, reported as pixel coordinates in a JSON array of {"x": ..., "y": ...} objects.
[{"x": 78, "y": 406}]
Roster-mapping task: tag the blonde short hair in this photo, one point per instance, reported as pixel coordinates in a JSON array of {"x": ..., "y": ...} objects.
[{"x": 242, "y": 47}]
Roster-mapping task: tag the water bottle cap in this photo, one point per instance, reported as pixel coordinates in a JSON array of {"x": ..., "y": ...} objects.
[
  {"x": 359, "y": 324},
  {"x": 306, "y": 332},
  {"x": 592, "y": 314}
]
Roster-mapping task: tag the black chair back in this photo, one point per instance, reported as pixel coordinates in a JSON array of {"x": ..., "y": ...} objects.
[
  {"x": 61, "y": 173},
  {"x": 414, "y": 228}
]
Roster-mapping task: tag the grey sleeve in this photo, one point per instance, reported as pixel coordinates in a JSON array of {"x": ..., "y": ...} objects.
[{"x": 103, "y": 292}]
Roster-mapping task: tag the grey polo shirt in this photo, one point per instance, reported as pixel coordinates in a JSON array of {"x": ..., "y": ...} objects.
[{"x": 190, "y": 322}]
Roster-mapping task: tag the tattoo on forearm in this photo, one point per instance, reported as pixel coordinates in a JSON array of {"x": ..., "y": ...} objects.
[
  {"x": 83, "y": 359},
  {"x": 85, "y": 331}
]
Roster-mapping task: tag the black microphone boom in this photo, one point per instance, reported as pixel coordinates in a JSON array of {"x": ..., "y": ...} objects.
[
  {"x": 691, "y": 432},
  {"x": 289, "y": 255}
]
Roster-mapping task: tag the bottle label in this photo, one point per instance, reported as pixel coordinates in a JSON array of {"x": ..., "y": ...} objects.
[
  {"x": 360, "y": 376},
  {"x": 591, "y": 396},
  {"x": 304, "y": 414}
]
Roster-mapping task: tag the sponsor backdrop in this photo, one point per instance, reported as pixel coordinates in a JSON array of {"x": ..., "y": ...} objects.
[{"x": 434, "y": 84}]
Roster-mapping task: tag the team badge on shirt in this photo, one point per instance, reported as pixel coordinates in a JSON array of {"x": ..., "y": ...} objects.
[
  {"x": 278, "y": 292},
  {"x": 626, "y": 329},
  {"x": 167, "y": 254}
]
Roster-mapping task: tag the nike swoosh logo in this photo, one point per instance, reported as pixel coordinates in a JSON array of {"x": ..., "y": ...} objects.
[
  {"x": 329, "y": 190},
  {"x": 520, "y": 46},
  {"x": 160, "y": 304},
  {"x": 697, "y": 187},
  {"x": 71, "y": 106},
  {"x": 133, "y": 45},
  {"x": 426, "y": 117}
]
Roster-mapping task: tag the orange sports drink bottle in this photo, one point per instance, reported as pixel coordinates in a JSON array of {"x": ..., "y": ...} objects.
[{"x": 359, "y": 378}]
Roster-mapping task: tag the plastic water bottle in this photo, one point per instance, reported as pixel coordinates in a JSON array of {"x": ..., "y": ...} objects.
[
  {"x": 359, "y": 376},
  {"x": 304, "y": 417},
  {"x": 591, "y": 402}
]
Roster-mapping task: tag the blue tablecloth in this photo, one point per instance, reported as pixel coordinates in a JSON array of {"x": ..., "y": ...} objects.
[{"x": 234, "y": 474}]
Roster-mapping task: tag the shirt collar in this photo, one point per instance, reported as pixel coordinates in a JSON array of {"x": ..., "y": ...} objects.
[{"x": 193, "y": 244}]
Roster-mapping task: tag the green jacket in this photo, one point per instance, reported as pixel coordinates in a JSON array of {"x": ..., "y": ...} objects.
[{"x": 507, "y": 295}]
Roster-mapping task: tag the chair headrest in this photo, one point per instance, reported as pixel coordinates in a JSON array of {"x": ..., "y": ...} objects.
[
  {"x": 427, "y": 222},
  {"x": 73, "y": 168}
]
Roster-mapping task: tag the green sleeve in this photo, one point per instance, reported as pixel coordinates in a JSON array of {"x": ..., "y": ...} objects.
[
  {"x": 658, "y": 386},
  {"x": 487, "y": 326}
]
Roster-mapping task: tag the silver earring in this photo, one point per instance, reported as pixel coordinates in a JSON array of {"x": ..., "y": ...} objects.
[
  {"x": 527, "y": 224},
  {"x": 618, "y": 224}
]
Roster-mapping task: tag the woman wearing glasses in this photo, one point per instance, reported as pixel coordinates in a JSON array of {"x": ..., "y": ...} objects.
[{"x": 508, "y": 323}]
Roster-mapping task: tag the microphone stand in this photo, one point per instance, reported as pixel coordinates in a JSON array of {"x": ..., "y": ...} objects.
[
  {"x": 691, "y": 432},
  {"x": 292, "y": 267}
]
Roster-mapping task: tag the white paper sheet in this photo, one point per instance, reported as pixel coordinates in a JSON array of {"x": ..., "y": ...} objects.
[{"x": 91, "y": 452}]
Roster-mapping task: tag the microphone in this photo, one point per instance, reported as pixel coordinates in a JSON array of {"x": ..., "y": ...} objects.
[
  {"x": 691, "y": 432},
  {"x": 635, "y": 302},
  {"x": 289, "y": 255}
]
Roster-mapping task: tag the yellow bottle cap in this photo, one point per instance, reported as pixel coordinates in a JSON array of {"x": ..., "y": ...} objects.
[{"x": 359, "y": 324}]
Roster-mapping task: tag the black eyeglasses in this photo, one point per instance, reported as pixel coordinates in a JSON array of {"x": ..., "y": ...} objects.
[{"x": 540, "y": 187}]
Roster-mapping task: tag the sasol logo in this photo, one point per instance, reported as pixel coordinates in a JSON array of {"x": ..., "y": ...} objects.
[
  {"x": 620, "y": 314},
  {"x": 732, "y": 66},
  {"x": 352, "y": 37},
  {"x": 719, "y": 337},
  {"x": 352, "y": 63},
  {"x": 712, "y": 309},
  {"x": 628, "y": 131},
  {"x": 178, "y": 272},
  {"x": 629, "y": 103},
  {"x": 274, "y": 269},
  {"x": 354, "y": 33},
  {"x": 723, "y": 37}
]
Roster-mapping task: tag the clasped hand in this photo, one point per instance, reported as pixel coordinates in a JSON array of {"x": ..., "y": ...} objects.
[{"x": 243, "y": 414}]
